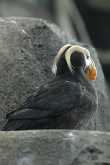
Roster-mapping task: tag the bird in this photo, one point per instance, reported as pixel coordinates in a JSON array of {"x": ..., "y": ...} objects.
[{"x": 65, "y": 102}]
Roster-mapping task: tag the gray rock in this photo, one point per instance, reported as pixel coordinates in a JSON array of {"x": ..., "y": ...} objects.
[
  {"x": 54, "y": 147},
  {"x": 27, "y": 48}
]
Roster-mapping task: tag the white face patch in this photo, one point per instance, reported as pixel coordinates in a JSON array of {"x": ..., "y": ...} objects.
[
  {"x": 88, "y": 60},
  {"x": 57, "y": 58},
  {"x": 84, "y": 51},
  {"x": 54, "y": 69}
]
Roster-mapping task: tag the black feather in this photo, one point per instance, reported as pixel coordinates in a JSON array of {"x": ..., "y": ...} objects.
[{"x": 62, "y": 103}]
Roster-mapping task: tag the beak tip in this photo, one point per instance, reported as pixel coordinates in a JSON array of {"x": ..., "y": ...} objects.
[{"x": 92, "y": 73}]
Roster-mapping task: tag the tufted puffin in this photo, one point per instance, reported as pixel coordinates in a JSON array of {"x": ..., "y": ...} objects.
[{"x": 65, "y": 102}]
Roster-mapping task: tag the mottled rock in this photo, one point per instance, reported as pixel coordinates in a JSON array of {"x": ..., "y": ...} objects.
[
  {"x": 27, "y": 48},
  {"x": 54, "y": 147}
]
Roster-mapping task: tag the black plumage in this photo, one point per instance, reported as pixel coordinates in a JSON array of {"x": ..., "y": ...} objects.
[{"x": 67, "y": 101}]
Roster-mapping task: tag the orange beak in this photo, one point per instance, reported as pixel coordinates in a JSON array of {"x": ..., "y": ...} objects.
[{"x": 91, "y": 73}]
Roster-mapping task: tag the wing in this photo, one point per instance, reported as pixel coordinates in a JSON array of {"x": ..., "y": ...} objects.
[{"x": 51, "y": 100}]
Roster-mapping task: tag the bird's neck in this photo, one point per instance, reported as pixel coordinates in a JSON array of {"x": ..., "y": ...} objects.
[
  {"x": 79, "y": 72},
  {"x": 77, "y": 75},
  {"x": 80, "y": 75}
]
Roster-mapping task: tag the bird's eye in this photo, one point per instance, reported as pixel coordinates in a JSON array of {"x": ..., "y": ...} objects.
[{"x": 87, "y": 56}]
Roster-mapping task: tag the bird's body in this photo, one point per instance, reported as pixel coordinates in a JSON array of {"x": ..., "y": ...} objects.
[
  {"x": 67, "y": 101},
  {"x": 61, "y": 103}
]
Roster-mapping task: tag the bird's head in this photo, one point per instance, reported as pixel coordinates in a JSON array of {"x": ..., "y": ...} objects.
[{"x": 73, "y": 57}]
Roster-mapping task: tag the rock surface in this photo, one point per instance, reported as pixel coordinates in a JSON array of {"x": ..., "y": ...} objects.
[
  {"x": 54, "y": 147},
  {"x": 27, "y": 48}
]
